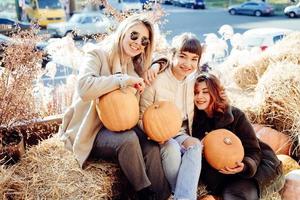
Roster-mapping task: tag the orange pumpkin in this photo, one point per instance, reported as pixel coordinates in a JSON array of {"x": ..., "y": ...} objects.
[
  {"x": 209, "y": 197},
  {"x": 288, "y": 163},
  {"x": 291, "y": 189},
  {"x": 119, "y": 110},
  {"x": 222, "y": 149},
  {"x": 257, "y": 127},
  {"x": 161, "y": 121},
  {"x": 279, "y": 142}
]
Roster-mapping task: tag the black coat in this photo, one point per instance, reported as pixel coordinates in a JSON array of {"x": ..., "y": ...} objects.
[{"x": 260, "y": 160}]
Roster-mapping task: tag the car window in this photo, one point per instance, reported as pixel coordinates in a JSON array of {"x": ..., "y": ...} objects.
[
  {"x": 86, "y": 20},
  {"x": 97, "y": 19},
  {"x": 277, "y": 38},
  {"x": 75, "y": 18},
  {"x": 251, "y": 4}
]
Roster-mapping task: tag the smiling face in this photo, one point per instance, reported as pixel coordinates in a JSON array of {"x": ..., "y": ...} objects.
[
  {"x": 202, "y": 96},
  {"x": 184, "y": 63},
  {"x": 135, "y": 40}
]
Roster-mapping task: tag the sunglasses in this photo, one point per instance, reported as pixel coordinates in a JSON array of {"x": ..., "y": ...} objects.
[{"x": 135, "y": 35}]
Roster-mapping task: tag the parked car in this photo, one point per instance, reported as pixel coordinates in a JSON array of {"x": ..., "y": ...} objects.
[
  {"x": 127, "y": 5},
  {"x": 8, "y": 26},
  {"x": 251, "y": 8},
  {"x": 180, "y": 3},
  {"x": 81, "y": 24},
  {"x": 263, "y": 37},
  {"x": 195, "y": 4},
  {"x": 292, "y": 11}
]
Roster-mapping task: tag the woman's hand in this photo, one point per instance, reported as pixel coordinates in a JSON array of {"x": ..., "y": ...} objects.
[
  {"x": 137, "y": 83},
  {"x": 227, "y": 170},
  {"x": 150, "y": 75}
]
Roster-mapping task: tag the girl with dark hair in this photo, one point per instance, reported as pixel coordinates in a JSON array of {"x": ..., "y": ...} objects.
[
  {"x": 259, "y": 168},
  {"x": 181, "y": 155}
]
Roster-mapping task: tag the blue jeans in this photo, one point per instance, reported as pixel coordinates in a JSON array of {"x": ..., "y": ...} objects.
[{"x": 182, "y": 167}]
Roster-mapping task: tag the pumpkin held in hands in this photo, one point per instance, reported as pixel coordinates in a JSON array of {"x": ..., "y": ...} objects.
[
  {"x": 222, "y": 149},
  {"x": 161, "y": 121},
  {"x": 119, "y": 109}
]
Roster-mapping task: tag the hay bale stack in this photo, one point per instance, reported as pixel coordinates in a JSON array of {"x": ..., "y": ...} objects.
[
  {"x": 49, "y": 171},
  {"x": 277, "y": 97},
  {"x": 288, "y": 50}
]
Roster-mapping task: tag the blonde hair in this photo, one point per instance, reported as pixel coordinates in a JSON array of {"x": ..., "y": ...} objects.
[{"x": 113, "y": 43}]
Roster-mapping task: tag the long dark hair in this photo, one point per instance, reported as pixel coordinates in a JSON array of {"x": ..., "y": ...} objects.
[{"x": 217, "y": 104}]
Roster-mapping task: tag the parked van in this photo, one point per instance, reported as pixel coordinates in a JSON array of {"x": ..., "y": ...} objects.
[{"x": 45, "y": 11}]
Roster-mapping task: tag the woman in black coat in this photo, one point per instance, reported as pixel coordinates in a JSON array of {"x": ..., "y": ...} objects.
[{"x": 259, "y": 167}]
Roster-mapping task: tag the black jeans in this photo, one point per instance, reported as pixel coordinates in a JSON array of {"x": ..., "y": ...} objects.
[{"x": 138, "y": 158}]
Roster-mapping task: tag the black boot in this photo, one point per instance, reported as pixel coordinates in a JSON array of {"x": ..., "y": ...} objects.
[{"x": 146, "y": 194}]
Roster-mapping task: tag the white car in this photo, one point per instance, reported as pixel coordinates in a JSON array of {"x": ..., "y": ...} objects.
[
  {"x": 263, "y": 37},
  {"x": 292, "y": 11},
  {"x": 81, "y": 24},
  {"x": 126, "y": 5}
]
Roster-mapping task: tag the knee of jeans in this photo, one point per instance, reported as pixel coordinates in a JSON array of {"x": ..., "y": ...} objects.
[
  {"x": 171, "y": 152},
  {"x": 197, "y": 147},
  {"x": 130, "y": 139}
]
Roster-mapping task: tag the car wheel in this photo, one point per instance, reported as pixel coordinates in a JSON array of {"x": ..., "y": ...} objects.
[
  {"x": 232, "y": 12},
  {"x": 292, "y": 15},
  {"x": 257, "y": 13}
]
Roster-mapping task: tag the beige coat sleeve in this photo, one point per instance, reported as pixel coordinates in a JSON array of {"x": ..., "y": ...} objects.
[
  {"x": 161, "y": 59},
  {"x": 146, "y": 100},
  {"x": 92, "y": 83}
]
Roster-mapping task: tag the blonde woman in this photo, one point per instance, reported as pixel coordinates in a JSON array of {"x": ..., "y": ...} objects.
[{"x": 119, "y": 61}]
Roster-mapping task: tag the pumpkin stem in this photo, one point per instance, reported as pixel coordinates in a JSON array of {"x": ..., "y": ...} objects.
[{"x": 227, "y": 141}]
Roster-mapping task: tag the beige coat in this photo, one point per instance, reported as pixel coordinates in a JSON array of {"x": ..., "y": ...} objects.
[
  {"x": 81, "y": 122},
  {"x": 164, "y": 89}
]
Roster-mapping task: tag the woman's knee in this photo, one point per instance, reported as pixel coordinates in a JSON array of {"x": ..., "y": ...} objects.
[
  {"x": 129, "y": 140},
  {"x": 192, "y": 142},
  {"x": 170, "y": 150}
]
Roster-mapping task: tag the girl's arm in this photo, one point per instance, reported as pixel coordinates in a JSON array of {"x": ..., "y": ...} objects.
[
  {"x": 92, "y": 85},
  {"x": 252, "y": 157},
  {"x": 146, "y": 100}
]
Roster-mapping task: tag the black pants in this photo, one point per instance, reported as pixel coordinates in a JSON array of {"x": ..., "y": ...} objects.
[
  {"x": 138, "y": 158},
  {"x": 229, "y": 187},
  {"x": 241, "y": 189}
]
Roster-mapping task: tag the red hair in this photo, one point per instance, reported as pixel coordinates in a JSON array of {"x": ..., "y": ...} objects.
[{"x": 217, "y": 104}]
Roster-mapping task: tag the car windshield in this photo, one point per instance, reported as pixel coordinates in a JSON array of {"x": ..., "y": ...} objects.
[
  {"x": 75, "y": 19},
  {"x": 298, "y": 5},
  {"x": 49, "y": 4},
  {"x": 131, "y": 1}
]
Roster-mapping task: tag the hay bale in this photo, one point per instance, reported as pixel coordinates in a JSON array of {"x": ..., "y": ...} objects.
[
  {"x": 247, "y": 76},
  {"x": 49, "y": 171},
  {"x": 287, "y": 50},
  {"x": 277, "y": 97}
]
